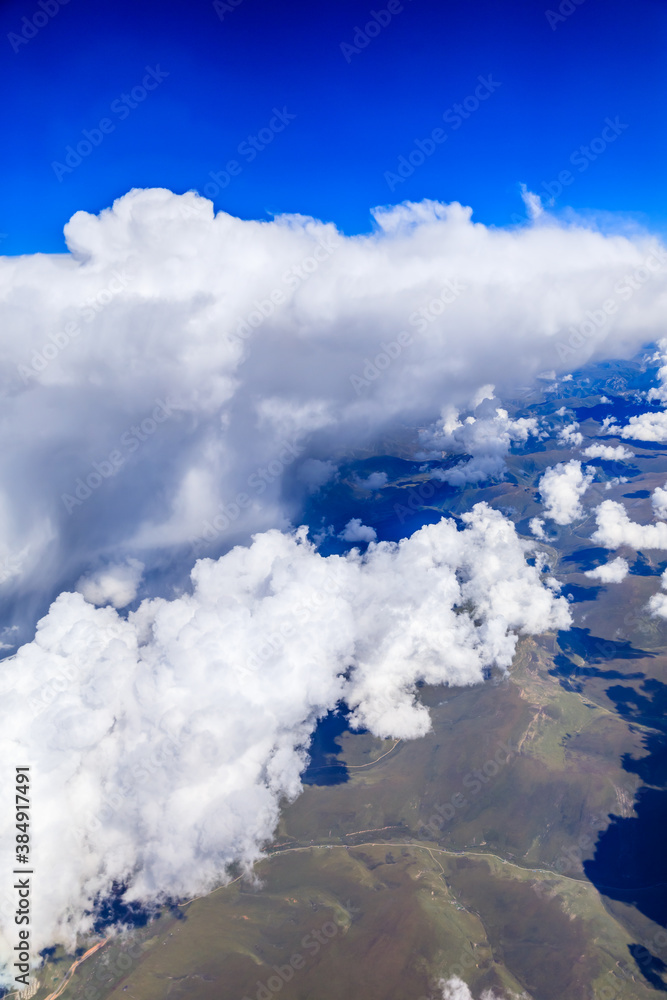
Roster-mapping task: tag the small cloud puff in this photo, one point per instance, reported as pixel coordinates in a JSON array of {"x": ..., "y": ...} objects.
[
  {"x": 116, "y": 585},
  {"x": 608, "y": 452},
  {"x": 659, "y": 502},
  {"x": 570, "y": 436},
  {"x": 561, "y": 488},
  {"x": 536, "y": 525},
  {"x": 611, "y": 572},
  {"x": 355, "y": 531},
  {"x": 375, "y": 481},
  {"x": 658, "y": 603},
  {"x": 455, "y": 989}
]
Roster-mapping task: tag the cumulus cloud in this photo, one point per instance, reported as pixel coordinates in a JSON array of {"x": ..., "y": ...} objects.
[
  {"x": 561, "y": 488},
  {"x": 659, "y": 502},
  {"x": 141, "y": 406},
  {"x": 608, "y": 452},
  {"x": 163, "y": 743},
  {"x": 659, "y": 392},
  {"x": 115, "y": 584},
  {"x": 375, "y": 481},
  {"x": 611, "y": 572},
  {"x": 180, "y": 381},
  {"x": 536, "y": 525},
  {"x": 455, "y": 989},
  {"x": 355, "y": 531},
  {"x": 486, "y": 438},
  {"x": 570, "y": 436},
  {"x": 614, "y": 528},
  {"x": 658, "y": 603},
  {"x": 650, "y": 426}
]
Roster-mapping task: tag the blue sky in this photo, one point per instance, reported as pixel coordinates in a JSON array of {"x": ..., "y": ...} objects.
[{"x": 355, "y": 113}]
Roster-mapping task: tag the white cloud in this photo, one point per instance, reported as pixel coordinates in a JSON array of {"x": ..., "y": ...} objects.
[
  {"x": 561, "y": 488},
  {"x": 533, "y": 203},
  {"x": 487, "y": 439},
  {"x": 644, "y": 427},
  {"x": 115, "y": 584},
  {"x": 166, "y": 746},
  {"x": 659, "y": 502},
  {"x": 614, "y": 528},
  {"x": 536, "y": 525},
  {"x": 375, "y": 481},
  {"x": 179, "y": 379},
  {"x": 159, "y": 299},
  {"x": 657, "y": 605},
  {"x": 608, "y": 452},
  {"x": 355, "y": 531},
  {"x": 455, "y": 989},
  {"x": 611, "y": 572},
  {"x": 660, "y": 392},
  {"x": 570, "y": 436}
]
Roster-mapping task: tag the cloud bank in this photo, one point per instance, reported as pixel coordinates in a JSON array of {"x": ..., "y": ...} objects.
[
  {"x": 162, "y": 744},
  {"x": 179, "y": 379}
]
